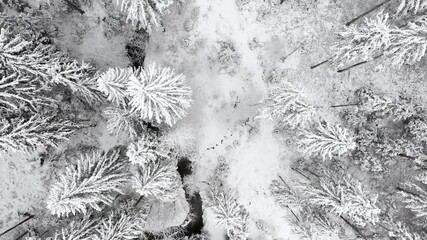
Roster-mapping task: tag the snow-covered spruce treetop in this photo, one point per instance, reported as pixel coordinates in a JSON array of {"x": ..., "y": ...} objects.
[
  {"x": 93, "y": 181},
  {"x": 158, "y": 179},
  {"x": 145, "y": 150},
  {"x": 362, "y": 42},
  {"x": 148, "y": 13},
  {"x": 286, "y": 106},
  {"x": 326, "y": 141},
  {"x": 344, "y": 196},
  {"x": 156, "y": 94}
]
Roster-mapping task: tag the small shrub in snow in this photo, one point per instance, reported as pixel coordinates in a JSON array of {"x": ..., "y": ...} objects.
[
  {"x": 181, "y": 141},
  {"x": 228, "y": 57},
  {"x": 400, "y": 231},
  {"x": 91, "y": 182},
  {"x": 119, "y": 226},
  {"x": 121, "y": 121}
]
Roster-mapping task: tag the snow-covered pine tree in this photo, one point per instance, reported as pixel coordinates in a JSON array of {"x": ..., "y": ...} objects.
[
  {"x": 158, "y": 179},
  {"x": 21, "y": 92},
  {"x": 24, "y": 57},
  {"x": 159, "y": 95},
  {"x": 113, "y": 84},
  {"x": 344, "y": 196},
  {"x": 409, "y": 43},
  {"x": 180, "y": 141},
  {"x": 308, "y": 221},
  {"x": 91, "y": 182},
  {"x": 121, "y": 121},
  {"x": 119, "y": 226},
  {"x": 146, "y": 12},
  {"x": 326, "y": 141},
  {"x": 79, "y": 229},
  {"x": 363, "y": 42},
  {"x": 411, "y": 7},
  {"x": 145, "y": 150},
  {"x": 285, "y": 105},
  {"x": 415, "y": 197},
  {"x": 229, "y": 214},
  {"x": 27, "y": 135}
]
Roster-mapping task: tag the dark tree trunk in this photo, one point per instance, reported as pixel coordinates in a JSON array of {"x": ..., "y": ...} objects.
[
  {"x": 367, "y": 12},
  {"x": 17, "y": 225}
]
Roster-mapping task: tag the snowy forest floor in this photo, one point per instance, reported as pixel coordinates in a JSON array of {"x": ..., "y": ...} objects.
[{"x": 274, "y": 44}]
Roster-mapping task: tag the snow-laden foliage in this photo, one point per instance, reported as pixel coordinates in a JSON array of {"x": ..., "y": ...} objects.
[
  {"x": 17, "y": 92},
  {"x": 415, "y": 197},
  {"x": 159, "y": 95},
  {"x": 285, "y": 196},
  {"x": 376, "y": 107},
  {"x": 308, "y": 222},
  {"x": 229, "y": 214},
  {"x": 417, "y": 128},
  {"x": 285, "y": 105},
  {"x": 156, "y": 95},
  {"x": 158, "y": 179},
  {"x": 181, "y": 141},
  {"x": 408, "y": 44},
  {"x": 363, "y": 42},
  {"x": 326, "y": 141},
  {"x": 145, "y": 150},
  {"x": 344, "y": 196},
  {"x": 411, "y": 7},
  {"x": 113, "y": 84},
  {"x": 79, "y": 229},
  {"x": 118, "y": 227},
  {"x": 93, "y": 181},
  {"x": 24, "y": 57},
  {"x": 27, "y": 135},
  {"x": 400, "y": 231},
  {"x": 147, "y": 13},
  {"x": 122, "y": 122}
]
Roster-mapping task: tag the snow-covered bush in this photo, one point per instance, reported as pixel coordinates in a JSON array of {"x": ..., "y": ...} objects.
[
  {"x": 228, "y": 57},
  {"x": 81, "y": 229},
  {"x": 327, "y": 141},
  {"x": 286, "y": 106},
  {"x": 148, "y": 13},
  {"x": 344, "y": 196},
  {"x": 93, "y": 181},
  {"x": 145, "y": 150},
  {"x": 158, "y": 179},
  {"x": 417, "y": 128},
  {"x": 28, "y": 135},
  {"x": 229, "y": 214},
  {"x": 157, "y": 94}
]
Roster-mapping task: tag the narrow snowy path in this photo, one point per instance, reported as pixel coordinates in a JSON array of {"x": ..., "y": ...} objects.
[{"x": 224, "y": 107}]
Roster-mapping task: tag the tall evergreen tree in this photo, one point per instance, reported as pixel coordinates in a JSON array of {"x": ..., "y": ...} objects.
[{"x": 93, "y": 181}]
